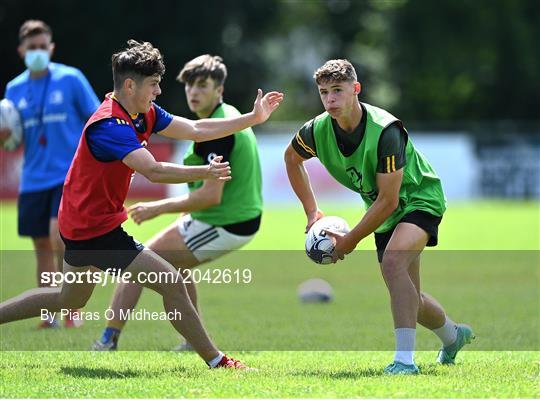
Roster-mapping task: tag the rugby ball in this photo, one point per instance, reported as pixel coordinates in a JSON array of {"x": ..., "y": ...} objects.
[
  {"x": 320, "y": 246},
  {"x": 11, "y": 119}
]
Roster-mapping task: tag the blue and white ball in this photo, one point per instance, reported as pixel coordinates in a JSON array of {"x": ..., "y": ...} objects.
[
  {"x": 11, "y": 119},
  {"x": 320, "y": 246}
]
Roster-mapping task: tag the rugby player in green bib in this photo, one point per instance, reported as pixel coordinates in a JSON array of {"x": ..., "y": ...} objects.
[
  {"x": 368, "y": 150},
  {"x": 216, "y": 217}
]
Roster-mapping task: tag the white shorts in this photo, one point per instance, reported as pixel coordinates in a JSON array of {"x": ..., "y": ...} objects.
[{"x": 208, "y": 242}]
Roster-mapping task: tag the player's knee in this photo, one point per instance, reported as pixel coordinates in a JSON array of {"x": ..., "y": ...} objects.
[
  {"x": 74, "y": 303},
  {"x": 43, "y": 243},
  {"x": 179, "y": 293},
  {"x": 421, "y": 299},
  {"x": 173, "y": 290},
  {"x": 391, "y": 266}
]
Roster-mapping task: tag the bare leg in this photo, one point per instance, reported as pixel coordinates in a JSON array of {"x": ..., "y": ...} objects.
[
  {"x": 191, "y": 288},
  {"x": 30, "y": 303},
  {"x": 125, "y": 297},
  {"x": 57, "y": 243},
  {"x": 175, "y": 299},
  {"x": 430, "y": 313},
  {"x": 169, "y": 244},
  {"x": 406, "y": 244},
  {"x": 44, "y": 257}
]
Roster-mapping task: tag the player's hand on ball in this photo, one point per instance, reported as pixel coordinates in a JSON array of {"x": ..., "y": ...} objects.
[
  {"x": 141, "y": 212},
  {"x": 265, "y": 105},
  {"x": 219, "y": 170},
  {"x": 313, "y": 217},
  {"x": 342, "y": 245}
]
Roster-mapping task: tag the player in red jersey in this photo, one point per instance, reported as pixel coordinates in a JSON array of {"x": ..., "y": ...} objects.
[{"x": 111, "y": 149}]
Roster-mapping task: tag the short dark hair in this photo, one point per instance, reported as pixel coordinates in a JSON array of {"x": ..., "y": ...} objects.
[
  {"x": 335, "y": 71},
  {"x": 33, "y": 27},
  {"x": 203, "y": 67},
  {"x": 138, "y": 61}
]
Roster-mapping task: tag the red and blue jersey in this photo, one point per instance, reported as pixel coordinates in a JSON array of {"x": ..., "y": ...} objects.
[{"x": 98, "y": 181}]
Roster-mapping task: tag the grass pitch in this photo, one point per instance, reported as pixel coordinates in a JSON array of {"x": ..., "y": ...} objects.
[
  {"x": 497, "y": 292},
  {"x": 281, "y": 374}
]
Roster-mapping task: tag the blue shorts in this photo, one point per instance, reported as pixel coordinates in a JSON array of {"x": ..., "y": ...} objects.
[{"x": 36, "y": 210}]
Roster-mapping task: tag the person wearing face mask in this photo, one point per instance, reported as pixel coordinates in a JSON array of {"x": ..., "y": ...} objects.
[
  {"x": 92, "y": 212},
  {"x": 54, "y": 101}
]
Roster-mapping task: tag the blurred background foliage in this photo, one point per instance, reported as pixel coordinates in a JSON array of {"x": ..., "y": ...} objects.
[{"x": 431, "y": 61}]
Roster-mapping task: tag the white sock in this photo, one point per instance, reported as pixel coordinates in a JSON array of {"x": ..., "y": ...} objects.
[
  {"x": 405, "y": 343},
  {"x": 447, "y": 333},
  {"x": 215, "y": 361}
]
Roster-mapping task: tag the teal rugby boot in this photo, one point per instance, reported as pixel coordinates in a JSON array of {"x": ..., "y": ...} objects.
[
  {"x": 398, "y": 368},
  {"x": 447, "y": 355}
]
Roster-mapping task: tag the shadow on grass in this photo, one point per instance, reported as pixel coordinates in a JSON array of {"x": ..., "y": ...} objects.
[
  {"x": 360, "y": 373},
  {"x": 363, "y": 373},
  {"x": 107, "y": 373}
]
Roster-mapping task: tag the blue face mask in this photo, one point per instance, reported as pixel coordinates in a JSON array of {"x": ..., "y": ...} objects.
[{"x": 36, "y": 60}]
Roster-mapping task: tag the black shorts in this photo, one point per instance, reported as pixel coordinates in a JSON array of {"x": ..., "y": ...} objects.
[
  {"x": 114, "y": 250},
  {"x": 35, "y": 210},
  {"x": 428, "y": 222}
]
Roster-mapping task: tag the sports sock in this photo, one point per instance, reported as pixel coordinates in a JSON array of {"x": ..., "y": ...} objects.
[
  {"x": 405, "y": 342},
  {"x": 116, "y": 324},
  {"x": 215, "y": 361},
  {"x": 110, "y": 334},
  {"x": 447, "y": 333}
]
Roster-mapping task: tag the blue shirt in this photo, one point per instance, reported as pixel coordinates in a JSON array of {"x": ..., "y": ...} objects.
[
  {"x": 53, "y": 110},
  {"x": 112, "y": 138}
]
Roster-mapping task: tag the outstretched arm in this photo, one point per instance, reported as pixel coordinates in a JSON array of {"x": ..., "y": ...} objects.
[
  {"x": 142, "y": 161},
  {"x": 214, "y": 128}
]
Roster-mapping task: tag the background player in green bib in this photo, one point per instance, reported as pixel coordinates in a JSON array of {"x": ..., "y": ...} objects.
[
  {"x": 217, "y": 217},
  {"x": 368, "y": 150}
]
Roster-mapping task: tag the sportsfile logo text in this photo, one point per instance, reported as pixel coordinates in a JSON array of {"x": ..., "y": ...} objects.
[{"x": 113, "y": 276}]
